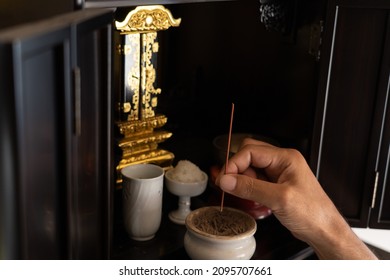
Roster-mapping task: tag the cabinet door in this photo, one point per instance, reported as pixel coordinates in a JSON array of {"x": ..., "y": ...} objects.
[
  {"x": 380, "y": 203},
  {"x": 45, "y": 158},
  {"x": 36, "y": 78},
  {"x": 351, "y": 105},
  {"x": 91, "y": 163}
]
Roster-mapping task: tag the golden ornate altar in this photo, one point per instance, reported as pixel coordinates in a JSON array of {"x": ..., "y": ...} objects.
[{"x": 138, "y": 125}]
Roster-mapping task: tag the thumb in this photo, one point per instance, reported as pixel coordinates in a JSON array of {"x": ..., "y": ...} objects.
[{"x": 249, "y": 188}]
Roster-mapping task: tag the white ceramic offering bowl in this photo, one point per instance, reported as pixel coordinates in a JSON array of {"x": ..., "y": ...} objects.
[
  {"x": 184, "y": 190},
  {"x": 200, "y": 245}
]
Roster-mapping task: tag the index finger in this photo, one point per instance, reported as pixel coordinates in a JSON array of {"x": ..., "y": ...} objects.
[
  {"x": 271, "y": 159},
  {"x": 252, "y": 141}
]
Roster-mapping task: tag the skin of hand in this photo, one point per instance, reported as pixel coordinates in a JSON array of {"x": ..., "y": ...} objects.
[{"x": 280, "y": 179}]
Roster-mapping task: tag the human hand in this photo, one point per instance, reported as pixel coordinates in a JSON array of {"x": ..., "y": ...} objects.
[{"x": 281, "y": 180}]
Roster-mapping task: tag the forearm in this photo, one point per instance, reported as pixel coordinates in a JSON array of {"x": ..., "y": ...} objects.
[{"x": 341, "y": 244}]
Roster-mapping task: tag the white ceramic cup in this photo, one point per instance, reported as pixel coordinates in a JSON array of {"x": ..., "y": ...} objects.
[{"x": 142, "y": 200}]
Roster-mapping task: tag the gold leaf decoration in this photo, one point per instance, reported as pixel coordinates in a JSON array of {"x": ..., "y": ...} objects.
[{"x": 147, "y": 19}]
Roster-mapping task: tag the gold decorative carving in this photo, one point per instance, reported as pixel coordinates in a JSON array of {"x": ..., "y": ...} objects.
[
  {"x": 130, "y": 127},
  {"x": 149, "y": 99},
  {"x": 147, "y": 19},
  {"x": 123, "y": 49},
  {"x": 133, "y": 74},
  {"x": 156, "y": 155},
  {"x": 139, "y": 149},
  {"x": 143, "y": 139},
  {"x": 126, "y": 107},
  {"x": 140, "y": 75}
]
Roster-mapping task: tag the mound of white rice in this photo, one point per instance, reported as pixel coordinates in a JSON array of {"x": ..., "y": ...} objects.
[{"x": 186, "y": 172}]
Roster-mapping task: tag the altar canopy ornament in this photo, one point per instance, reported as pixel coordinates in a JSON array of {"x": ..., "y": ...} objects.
[{"x": 147, "y": 19}]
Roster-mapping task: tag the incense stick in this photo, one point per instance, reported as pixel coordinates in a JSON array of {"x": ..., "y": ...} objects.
[{"x": 228, "y": 151}]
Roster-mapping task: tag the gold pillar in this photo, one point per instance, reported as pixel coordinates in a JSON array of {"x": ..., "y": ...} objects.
[{"x": 138, "y": 124}]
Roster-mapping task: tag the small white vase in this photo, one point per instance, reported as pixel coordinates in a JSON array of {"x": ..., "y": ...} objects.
[{"x": 200, "y": 245}]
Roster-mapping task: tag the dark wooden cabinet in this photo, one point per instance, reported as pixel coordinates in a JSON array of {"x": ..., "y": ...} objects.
[
  {"x": 56, "y": 165},
  {"x": 55, "y": 159},
  {"x": 350, "y": 151}
]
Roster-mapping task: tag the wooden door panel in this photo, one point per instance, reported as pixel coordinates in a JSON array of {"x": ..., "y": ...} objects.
[
  {"x": 58, "y": 181},
  {"x": 380, "y": 213},
  {"x": 349, "y": 109},
  {"x": 39, "y": 67},
  {"x": 92, "y": 161}
]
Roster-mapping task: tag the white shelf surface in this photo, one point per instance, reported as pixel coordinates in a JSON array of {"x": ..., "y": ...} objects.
[{"x": 379, "y": 238}]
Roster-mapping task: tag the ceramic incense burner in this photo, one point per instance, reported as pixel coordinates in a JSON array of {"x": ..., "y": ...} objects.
[{"x": 220, "y": 235}]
